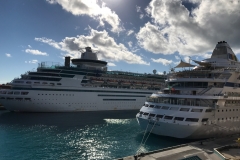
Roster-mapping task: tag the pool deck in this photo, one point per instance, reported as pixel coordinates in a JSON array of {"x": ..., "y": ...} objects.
[{"x": 210, "y": 149}]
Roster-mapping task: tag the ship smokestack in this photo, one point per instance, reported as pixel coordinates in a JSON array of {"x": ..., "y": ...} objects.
[{"x": 67, "y": 61}]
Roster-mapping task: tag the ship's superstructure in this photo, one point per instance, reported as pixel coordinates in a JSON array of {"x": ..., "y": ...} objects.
[
  {"x": 86, "y": 85},
  {"x": 197, "y": 103}
]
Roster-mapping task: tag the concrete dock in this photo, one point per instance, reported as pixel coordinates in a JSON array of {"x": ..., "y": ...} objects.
[{"x": 210, "y": 149}]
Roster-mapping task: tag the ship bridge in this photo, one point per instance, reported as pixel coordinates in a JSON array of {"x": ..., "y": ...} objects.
[{"x": 89, "y": 59}]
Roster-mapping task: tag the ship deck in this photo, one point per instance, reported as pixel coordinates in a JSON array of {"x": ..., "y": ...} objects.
[{"x": 214, "y": 149}]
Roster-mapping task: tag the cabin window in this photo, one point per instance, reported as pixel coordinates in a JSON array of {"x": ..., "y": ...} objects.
[
  {"x": 10, "y": 92},
  {"x": 16, "y": 93},
  {"x": 28, "y": 82},
  {"x": 146, "y": 105},
  {"x": 24, "y": 93},
  {"x": 191, "y": 119},
  {"x": 140, "y": 112},
  {"x": 179, "y": 118},
  {"x": 59, "y": 84}
]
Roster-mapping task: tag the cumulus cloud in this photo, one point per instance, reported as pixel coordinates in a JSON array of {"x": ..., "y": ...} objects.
[
  {"x": 176, "y": 57},
  {"x": 165, "y": 62},
  {"x": 130, "y": 44},
  {"x": 111, "y": 64},
  {"x": 8, "y": 54},
  {"x": 106, "y": 45},
  {"x": 36, "y": 52},
  {"x": 190, "y": 32},
  {"x": 29, "y": 46},
  {"x": 32, "y": 61},
  {"x": 141, "y": 16},
  {"x": 130, "y": 32},
  {"x": 91, "y": 8},
  {"x": 138, "y": 8}
]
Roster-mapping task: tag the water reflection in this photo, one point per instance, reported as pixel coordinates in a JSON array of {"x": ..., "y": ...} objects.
[{"x": 83, "y": 135}]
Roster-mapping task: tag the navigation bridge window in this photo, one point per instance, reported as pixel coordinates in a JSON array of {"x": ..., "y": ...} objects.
[
  {"x": 151, "y": 115},
  {"x": 151, "y": 106},
  {"x": 191, "y": 119},
  {"x": 158, "y": 107},
  {"x": 165, "y": 107},
  {"x": 208, "y": 110},
  {"x": 184, "y": 109},
  {"x": 159, "y": 116},
  {"x": 168, "y": 117},
  {"x": 196, "y": 110},
  {"x": 179, "y": 118},
  {"x": 204, "y": 119},
  {"x": 145, "y": 113}
]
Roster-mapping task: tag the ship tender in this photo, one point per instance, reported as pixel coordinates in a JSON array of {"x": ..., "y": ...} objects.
[{"x": 197, "y": 103}]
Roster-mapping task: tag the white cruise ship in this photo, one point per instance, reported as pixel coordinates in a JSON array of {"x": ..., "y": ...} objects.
[
  {"x": 197, "y": 103},
  {"x": 86, "y": 85}
]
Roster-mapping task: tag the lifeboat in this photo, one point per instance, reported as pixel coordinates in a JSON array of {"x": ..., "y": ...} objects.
[
  {"x": 125, "y": 83},
  {"x": 137, "y": 84},
  {"x": 146, "y": 85},
  {"x": 112, "y": 82},
  {"x": 97, "y": 81}
]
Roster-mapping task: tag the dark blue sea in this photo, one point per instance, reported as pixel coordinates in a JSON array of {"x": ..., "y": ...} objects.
[{"x": 85, "y": 135}]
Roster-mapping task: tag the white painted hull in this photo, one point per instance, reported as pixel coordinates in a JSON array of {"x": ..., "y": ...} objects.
[
  {"x": 189, "y": 131},
  {"x": 67, "y": 101}
]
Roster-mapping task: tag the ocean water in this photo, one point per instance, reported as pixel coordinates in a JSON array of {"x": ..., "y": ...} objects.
[{"x": 85, "y": 135}]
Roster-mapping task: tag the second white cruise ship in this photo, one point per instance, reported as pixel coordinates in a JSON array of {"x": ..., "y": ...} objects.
[
  {"x": 200, "y": 103},
  {"x": 86, "y": 85}
]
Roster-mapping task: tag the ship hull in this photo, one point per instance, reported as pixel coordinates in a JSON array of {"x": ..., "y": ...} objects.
[
  {"x": 72, "y": 101},
  {"x": 188, "y": 131}
]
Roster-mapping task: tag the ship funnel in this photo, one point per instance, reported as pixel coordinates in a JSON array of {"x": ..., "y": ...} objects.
[{"x": 67, "y": 61}]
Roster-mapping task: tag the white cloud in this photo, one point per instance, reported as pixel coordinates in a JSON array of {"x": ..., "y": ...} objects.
[
  {"x": 141, "y": 16},
  {"x": 29, "y": 46},
  {"x": 175, "y": 28},
  {"x": 8, "y": 54},
  {"x": 36, "y": 52},
  {"x": 165, "y": 62},
  {"x": 92, "y": 9},
  {"x": 138, "y": 8},
  {"x": 111, "y": 64},
  {"x": 130, "y": 32},
  {"x": 106, "y": 45},
  {"x": 176, "y": 57},
  {"x": 130, "y": 44},
  {"x": 32, "y": 61}
]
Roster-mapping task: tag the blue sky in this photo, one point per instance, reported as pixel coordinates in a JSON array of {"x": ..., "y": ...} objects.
[{"x": 132, "y": 35}]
